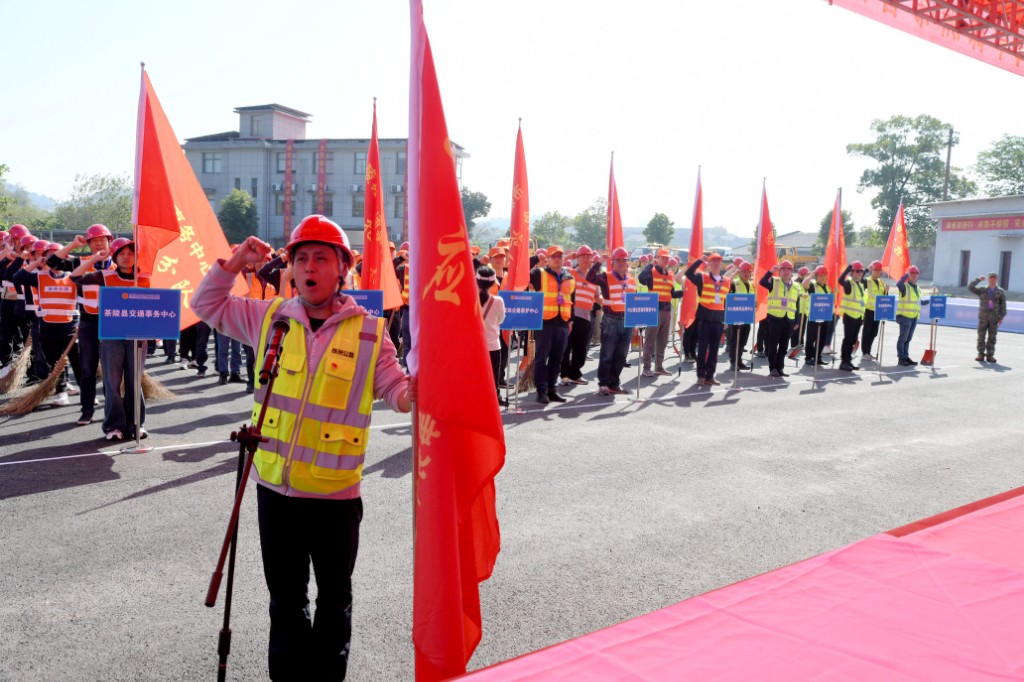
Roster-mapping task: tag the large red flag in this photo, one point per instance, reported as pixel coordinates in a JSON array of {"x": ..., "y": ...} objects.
[
  {"x": 896, "y": 257},
  {"x": 767, "y": 255},
  {"x": 378, "y": 272},
  {"x": 688, "y": 309},
  {"x": 614, "y": 233},
  {"x": 835, "y": 250},
  {"x": 517, "y": 278},
  {"x": 459, "y": 443},
  {"x": 177, "y": 235}
]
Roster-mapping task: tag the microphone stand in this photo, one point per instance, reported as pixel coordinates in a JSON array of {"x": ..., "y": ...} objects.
[{"x": 248, "y": 439}]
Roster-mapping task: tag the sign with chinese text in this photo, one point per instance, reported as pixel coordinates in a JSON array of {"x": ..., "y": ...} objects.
[
  {"x": 739, "y": 308},
  {"x": 1013, "y": 222},
  {"x": 371, "y": 299},
  {"x": 937, "y": 308},
  {"x": 641, "y": 310},
  {"x": 822, "y": 307},
  {"x": 523, "y": 310},
  {"x": 885, "y": 308},
  {"x": 139, "y": 313}
]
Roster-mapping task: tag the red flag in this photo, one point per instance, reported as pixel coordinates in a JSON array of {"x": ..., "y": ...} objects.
[
  {"x": 378, "y": 272},
  {"x": 688, "y": 309},
  {"x": 896, "y": 258},
  {"x": 517, "y": 278},
  {"x": 177, "y": 235},
  {"x": 459, "y": 443},
  {"x": 614, "y": 233},
  {"x": 767, "y": 255},
  {"x": 835, "y": 250}
]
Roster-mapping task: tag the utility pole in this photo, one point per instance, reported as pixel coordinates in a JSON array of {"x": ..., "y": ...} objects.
[{"x": 949, "y": 155}]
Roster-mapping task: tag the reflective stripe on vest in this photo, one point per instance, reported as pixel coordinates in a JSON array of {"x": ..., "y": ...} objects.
[
  {"x": 586, "y": 292},
  {"x": 876, "y": 287},
  {"x": 910, "y": 303},
  {"x": 317, "y": 425},
  {"x": 782, "y": 299},
  {"x": 90, "y": 298},
  {"x": 405, "y": 284},
  {"x": 661, "y": 284},
  {"x": 552, "y": 289},
  {"x": 710, "y": 297},
  {"x": 853, "y": 303},
  {"x": 617, "y": 289},
  {"x": 57, "y": 299}
]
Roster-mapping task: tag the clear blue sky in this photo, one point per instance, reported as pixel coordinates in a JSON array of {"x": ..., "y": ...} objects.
[{"x": 777, "y": 91}]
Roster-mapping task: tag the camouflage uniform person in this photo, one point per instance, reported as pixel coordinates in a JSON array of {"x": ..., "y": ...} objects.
[{"x": 991, "y": 311}]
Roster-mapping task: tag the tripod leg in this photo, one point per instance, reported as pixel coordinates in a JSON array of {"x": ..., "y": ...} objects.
[{"x": 224, "y": 640}]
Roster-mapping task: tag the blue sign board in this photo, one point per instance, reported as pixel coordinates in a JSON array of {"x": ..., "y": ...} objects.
[
  {"x": 139, "y": 313},
  {"x": 740, "y": 308},
  {"x": 937, "y": 308},
  {"x": 822, "y": 307},
  {"x": 371, "y": 299},
  {"x": 885, "y": 308},
  {"x": 523, "y": 309},
  {"x": 641, "y": 310}
]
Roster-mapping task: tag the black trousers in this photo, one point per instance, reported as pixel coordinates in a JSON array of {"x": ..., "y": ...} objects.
[
  {"x": 54, "y": 339},
  {"x": 88, "y": 361},
  {"x": 870, "y": 333},
  {"x": 709, "y": 335},
  {"x": 503, "y": 358},
  {"x": 496, "y": 369},
  {"x": 690, "y": 340},
  {"x": 742, "y": 331},
  {"x": 39, "y": 368},
  {"x": 550, "y": 347},
  {"x": 10, "y": 332},
  {"x": 799, "y": 327},
  {"x": 250, "y": 366},
  {"x": 293, "y": 532},
  {"x": 576, "y": 348},
  {"x": 851, "y": 329},
  {"x": 779, "y": 331},
  {"x": 762, "y": 335},
  {"x": 203, "y": 332},
  {"x": 813, "y": 348},
  {"x": 187, "y": 350}
]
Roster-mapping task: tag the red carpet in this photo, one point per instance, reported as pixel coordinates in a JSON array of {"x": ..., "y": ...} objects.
[{"x": 939, "y": 600}]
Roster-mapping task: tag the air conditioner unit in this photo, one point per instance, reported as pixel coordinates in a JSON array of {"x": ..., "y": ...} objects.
[
  {"x": 276, "y": 187},
  {"x": 328, "y": 189},
  {"x": 313, "y": 187},
  {"x": 355, "y": 188},
  {"x": 397, "y": 188},
  {"x": 293, "y": 188}
]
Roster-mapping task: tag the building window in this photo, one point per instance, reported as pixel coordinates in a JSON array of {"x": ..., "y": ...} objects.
[
  {"x": 328, "y": 165},
  {"x": 1004, "y": 269},
  {"x": 254, "y": 127},
  {"x": 282, "y": 157},
  {"x": 328, "y": 207},
  {"x": 360, "y": 165},
  {"x": 211, "y": 162},
  {"x": 358, "y": 205},
  {"x": 253, "y": 187},
  {"x": 238, "y": 183},
  {"x": 965, "y": 267},
  {"x": 279, "y": 205},
  {"x": 399, "y": 205},
  {"x": 400, "y": 163}
]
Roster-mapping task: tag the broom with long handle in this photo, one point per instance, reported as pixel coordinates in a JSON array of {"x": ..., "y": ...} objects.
[
  {"x": 35, "y": 397},
  {"x": 15, "y": 376}
]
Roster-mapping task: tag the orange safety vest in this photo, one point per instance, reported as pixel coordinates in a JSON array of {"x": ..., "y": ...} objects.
[
  {"x": 57, "y": 299},
  {"x": 405, "y": 284},
  {"x": 586, "y": 293},
  {"x": 711, "y": 298},
  {"x": 661, "y": 285},
  {"x": 555, "y": 290},
  {"x": 257, "y": 291},
  {"x": 112, "y": 278},
  {"x": 617, "y": 290}
]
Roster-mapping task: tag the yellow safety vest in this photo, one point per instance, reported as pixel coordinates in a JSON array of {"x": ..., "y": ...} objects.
[
  {"x": 317, "y": 423},
  {"x": 876, "y": 287},
  {"x": 782, "y": 300},
  {"x": 909, "y": 305},
  {"x": 853, "y": 303},
  {"x": 743, "y": 287}
]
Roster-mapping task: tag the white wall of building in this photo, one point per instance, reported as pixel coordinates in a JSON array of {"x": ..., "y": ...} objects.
[{"x": 985, "y": 233}]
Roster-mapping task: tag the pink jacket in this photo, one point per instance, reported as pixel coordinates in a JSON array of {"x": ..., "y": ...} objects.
[{"x": 242, "y": 319}]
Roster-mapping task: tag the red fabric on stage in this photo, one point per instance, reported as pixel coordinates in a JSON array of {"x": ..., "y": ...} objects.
[{"x": 885, "y": 608}]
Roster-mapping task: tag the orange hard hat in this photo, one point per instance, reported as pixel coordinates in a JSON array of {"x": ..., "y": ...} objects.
[
  {"x": 714, "y": 255},
  {"x": 664, "y": 253},
  {"x": 554, "y": 249}
]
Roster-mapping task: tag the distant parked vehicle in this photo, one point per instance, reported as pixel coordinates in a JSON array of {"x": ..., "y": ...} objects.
[{"x": 723, "y": 251}]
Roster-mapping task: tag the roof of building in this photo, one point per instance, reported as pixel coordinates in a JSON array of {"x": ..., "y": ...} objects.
[
  {"x": 216, "y": 137},
  {"x": 800, "y": 240},
  {"x": 274, "y": 107}
]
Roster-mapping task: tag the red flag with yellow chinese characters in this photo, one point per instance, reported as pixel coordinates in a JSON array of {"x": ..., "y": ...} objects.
[
  {"x": 458, "y": 441},
  {"x": 517, "y": 277},
  {"x": 378, "y": 271},
  {"x": 614, "y": 236},
  {"x": 688, "y": 308},
  {"x": 767, "y": 255},
  {"x": 896, "y": 257},
  {"x": 177, "y": 235},
  {"x": 835, "y": 250}
]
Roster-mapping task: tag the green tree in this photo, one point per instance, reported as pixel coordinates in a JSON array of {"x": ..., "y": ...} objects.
[
  {"x": 1002, "y": 166},
  {"x": 16, "y": 207},
  {"x": 105, "y": 199},
  {"x": 911, "y": 162},
  {"x": 474, "y": 205},
  {"x": 551, "y": 228},
  {"x": 849, "y": 231},
  {"x": 660, "y": 230},
  {"x": 590, "y": 226},
  {"x": 238, "y": 217},
  {"x": 5, "y": 201}
]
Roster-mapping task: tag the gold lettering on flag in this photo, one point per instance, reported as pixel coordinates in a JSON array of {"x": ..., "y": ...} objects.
[
  {"x": 427, "y": 433},
  {"x": 451, "y": 271},
  {"x": 167, "y": 263}
]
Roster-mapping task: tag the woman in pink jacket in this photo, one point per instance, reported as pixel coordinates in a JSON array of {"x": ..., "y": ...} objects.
[{"x": 335, "y": 360}]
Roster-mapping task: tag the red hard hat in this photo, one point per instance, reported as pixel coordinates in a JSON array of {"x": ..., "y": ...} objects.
[
  {"x": 620, "y": 254},
  {"x": 746, "y": 267},
  {"x": 316, "y": 228},
  {"x": 584, "y": 251},
  {"x": 856, "y": 265},
  {"x": 876, "y": 265},
  {"x": 17, "y": 231},
  {"x": 821, "y": 270},
  {"x": 914, "y": 270},
  {"x": 803, "y": 271},
  {"x": 42, "y": 245},
  {"x": 737, "y": 262},
  {"x": 27, "y": 240},
  {"x": 785, "y": 264},
  {"x": 404, "y": 246},
  {"x": 597, "y": 258},
  {"x": 97, "y": 230},
  {"x": 645, "y": 259},
  {"x": 673, "y": 261},
  {"x": 4, "y": 236},
  {"x": 540, "y": 253},
  {"x": 118, "y": 244},
  {"x": 55, "y": 246}
]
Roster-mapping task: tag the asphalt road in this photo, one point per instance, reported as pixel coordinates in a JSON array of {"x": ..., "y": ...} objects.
[{"x": 609, "y": 509}]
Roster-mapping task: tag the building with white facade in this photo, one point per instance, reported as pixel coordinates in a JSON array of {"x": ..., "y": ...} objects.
[
  {"x": 978, "y": 236},
  {"x": 270, "y": 158}
]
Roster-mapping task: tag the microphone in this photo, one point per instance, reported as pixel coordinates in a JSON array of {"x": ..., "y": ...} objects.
[{"x": 277, "y": 330}]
